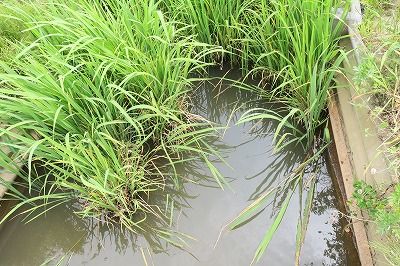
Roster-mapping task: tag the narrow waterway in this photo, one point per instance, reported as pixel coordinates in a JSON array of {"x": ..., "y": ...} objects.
[{"x": 203, "y": 210}]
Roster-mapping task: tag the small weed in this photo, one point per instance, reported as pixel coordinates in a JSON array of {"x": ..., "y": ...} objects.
[{"x": 383, "y": 208}]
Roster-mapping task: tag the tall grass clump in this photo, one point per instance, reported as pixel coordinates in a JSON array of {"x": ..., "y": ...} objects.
[
  {"x": 96, "y": 108},
  {"x": 296, "y": 46},
  {"x": 292, "y": 43},
  {"x": 217, "y": 23}
]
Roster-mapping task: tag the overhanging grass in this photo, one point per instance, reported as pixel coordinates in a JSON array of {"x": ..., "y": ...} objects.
[
  {"x": 98, "y": 100},
  {"x": 302, "y": 54},
  {"x": 291, "y": 43}
]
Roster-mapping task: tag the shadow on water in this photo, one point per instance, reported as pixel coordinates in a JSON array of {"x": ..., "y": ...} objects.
[{"x": 200, "y": 208}]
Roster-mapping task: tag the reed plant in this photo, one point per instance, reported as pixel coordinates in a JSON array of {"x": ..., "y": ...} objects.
[
  {"x": 290, "y": 43},
  {"x": 216, "y": 23},
  {"x": 96, "y": 108},
  {"x": 293, "y": 45},
  {"x": 297, "y": 46}
]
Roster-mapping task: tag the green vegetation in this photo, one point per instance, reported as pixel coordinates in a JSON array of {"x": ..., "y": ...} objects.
[
  {"x": 10, "y": 32},
  {"x": 99, "y": 106},
  {"x": 292, "y": 44},
  {"x": 378, "y": 78},
  {"x": 384, "y": 209},
  {"x": 96, "y": 104}
]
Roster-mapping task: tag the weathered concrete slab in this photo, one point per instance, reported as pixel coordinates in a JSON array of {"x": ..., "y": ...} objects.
[{"x": 358, "y": 148}]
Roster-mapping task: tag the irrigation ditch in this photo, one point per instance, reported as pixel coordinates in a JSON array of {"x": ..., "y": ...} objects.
[
  {"x": 202, "y": 210},
  {"x": 199, "y": 208}
]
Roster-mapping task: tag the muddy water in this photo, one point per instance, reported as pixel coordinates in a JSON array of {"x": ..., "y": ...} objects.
[{"x": 253, "y": 168}]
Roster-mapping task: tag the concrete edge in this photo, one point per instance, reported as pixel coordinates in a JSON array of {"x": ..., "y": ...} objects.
[
  {"x": 346, "y": 184},
  {"x": 358, "y": 53},
  {"x": 358, "y": 146}
]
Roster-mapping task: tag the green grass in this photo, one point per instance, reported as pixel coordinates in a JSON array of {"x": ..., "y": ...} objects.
[
  {"x": 291, "y": 43},
  {"x": 11, "y": 31},
  {"x": 377, "y": 77},
  {"x": 383, "y": 207},
  {"x": 304, "y": 56},
  {"x": 295, "y": 46},
  {"x": 98, "y": 101},
  {"x": 214, "y": 22}
]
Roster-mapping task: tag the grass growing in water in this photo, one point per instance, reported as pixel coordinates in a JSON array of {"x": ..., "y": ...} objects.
[
  {"x": 296, "y": 44},
  {"x": 98, "y": 100},
  {"x": 293, "y": 45},
  {"x": 302, "y": 54}
]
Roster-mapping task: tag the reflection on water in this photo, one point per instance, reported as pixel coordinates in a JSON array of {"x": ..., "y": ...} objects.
[{"x": 201, "y": 209}]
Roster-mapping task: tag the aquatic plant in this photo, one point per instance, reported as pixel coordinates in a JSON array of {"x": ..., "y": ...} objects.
[
  {"x": 302, "y": 54},
  {"x": 96, "y": 108},
  {"x": 296, "y": 47},
  {"x": 291, "y": 43}
]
